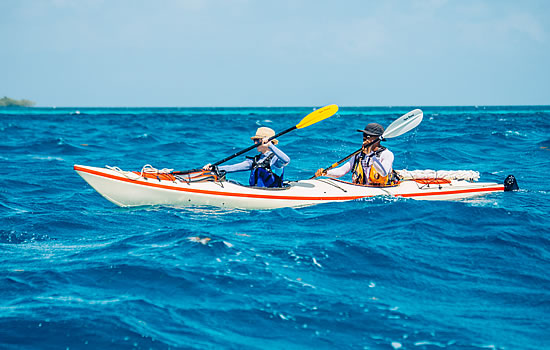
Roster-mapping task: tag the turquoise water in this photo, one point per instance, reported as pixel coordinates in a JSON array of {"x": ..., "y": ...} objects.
[{"x": 78, "y": 272}]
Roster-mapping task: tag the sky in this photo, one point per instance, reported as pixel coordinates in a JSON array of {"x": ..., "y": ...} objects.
[{"x": 236, "y": 53}]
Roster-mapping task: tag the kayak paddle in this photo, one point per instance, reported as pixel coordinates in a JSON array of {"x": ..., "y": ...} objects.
[
  {"x": 400, "y": 126},
  {"x": 310, "y": 119}
]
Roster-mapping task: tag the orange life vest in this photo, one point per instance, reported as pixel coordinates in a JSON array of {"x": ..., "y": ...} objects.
[{"x": 375, "y": 178}]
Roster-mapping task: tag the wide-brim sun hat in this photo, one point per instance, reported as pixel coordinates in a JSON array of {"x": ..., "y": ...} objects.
[
  {"x": 373, "y": 129},
  {"x": 264, "y": 132}
]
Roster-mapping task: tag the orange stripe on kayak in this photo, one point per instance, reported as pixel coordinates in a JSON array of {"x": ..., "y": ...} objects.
[
  {"x": 470, "y": 190},
  {"x": 230, "y": 194},
  {"x": 192, "y": 190}
]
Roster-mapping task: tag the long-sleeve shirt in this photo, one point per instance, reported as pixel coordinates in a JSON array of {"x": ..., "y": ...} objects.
[
  {"x": 382, "y": 162},
  {"x": 278, "y": 162}
]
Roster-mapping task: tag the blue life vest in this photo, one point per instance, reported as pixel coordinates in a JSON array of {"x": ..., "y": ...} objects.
[{"x": 261, "y": 174}]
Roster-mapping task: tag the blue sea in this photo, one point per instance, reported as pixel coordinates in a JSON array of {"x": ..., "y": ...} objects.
[{"x": 78, "y": 272}]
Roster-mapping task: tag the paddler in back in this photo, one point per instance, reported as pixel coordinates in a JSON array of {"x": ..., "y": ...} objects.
[
  {"x": 372, "y": 166},
  {"x": 266, "y": 168}
]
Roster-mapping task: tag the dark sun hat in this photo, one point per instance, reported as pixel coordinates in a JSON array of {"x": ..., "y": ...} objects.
[{"x": 373, "y": 129}]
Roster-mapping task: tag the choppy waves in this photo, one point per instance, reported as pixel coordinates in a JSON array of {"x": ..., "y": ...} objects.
[{"x": 78, "y": 272}]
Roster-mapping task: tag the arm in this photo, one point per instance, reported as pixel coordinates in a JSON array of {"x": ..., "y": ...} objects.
[
  {"x": 242, "y": 166},
  {"x": 384, "y": 164},
  {"x": 341, "y": 171},
  {"x": 282, "y": 158}
]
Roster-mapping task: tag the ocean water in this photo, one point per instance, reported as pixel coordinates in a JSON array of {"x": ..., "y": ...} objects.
[{"x": 77, "y": 272}]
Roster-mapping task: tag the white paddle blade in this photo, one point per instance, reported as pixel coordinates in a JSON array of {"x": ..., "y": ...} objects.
[{"x": 405, "y": 123}]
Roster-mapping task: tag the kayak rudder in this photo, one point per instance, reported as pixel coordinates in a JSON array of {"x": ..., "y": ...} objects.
[{"x": 510, "y": 183}]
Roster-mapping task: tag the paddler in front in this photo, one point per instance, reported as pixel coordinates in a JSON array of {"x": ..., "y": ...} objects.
[
  {"x": 266, "y": 168},
  {"x": 372, "y": 166}
]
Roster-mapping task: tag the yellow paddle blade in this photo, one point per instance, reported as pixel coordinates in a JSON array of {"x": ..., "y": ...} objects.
[{"x": 317, "y": 116}]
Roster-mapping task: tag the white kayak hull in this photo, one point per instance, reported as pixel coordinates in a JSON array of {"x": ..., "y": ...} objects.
[{"x": 131, "y": 191}]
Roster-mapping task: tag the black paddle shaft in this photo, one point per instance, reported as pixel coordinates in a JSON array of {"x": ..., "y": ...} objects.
[
  {"x": 251, "y": 147},
  {"x": 235, "y": 154}
]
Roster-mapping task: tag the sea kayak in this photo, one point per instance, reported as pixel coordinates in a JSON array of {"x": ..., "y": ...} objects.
[{"x": 130, "y": 189}]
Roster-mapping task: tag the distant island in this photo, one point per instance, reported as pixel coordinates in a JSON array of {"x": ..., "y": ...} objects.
[{"x": 10, "y": 102}]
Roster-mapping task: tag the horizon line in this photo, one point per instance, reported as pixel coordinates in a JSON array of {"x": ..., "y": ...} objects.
[{"x": 289, "y": 106}]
